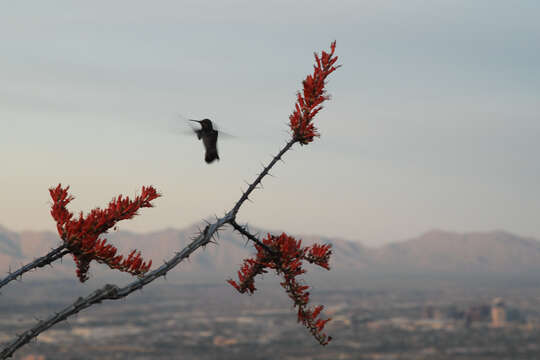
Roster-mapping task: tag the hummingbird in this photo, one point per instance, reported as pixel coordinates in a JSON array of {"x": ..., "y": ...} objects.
[{"x": 209, "y": 138}]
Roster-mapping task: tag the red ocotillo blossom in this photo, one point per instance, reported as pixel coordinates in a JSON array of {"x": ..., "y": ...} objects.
[
  {"x": 309, "y": 100},
  {"x": 285, "y": 257},
  {"x": 283, "y": 253},
  {"x": 81, "y": 235}
]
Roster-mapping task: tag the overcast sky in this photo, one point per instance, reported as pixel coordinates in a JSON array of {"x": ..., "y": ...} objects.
[{"x": 433, "y": 122}]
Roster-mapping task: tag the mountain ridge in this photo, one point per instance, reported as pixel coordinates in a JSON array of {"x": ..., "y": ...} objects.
[{"x": 433, "y": 252}]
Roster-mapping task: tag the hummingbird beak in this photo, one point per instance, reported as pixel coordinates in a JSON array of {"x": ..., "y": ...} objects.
[{"x": 199, "y": 121}]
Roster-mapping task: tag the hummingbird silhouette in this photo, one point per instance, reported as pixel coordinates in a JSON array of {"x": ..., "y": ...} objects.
[{"x": 209, "y": 137}]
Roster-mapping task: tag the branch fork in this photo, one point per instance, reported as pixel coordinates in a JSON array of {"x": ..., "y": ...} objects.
[{"x": 282, "y": 253}]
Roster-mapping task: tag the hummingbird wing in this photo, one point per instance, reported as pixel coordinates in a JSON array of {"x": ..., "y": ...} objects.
[
  {"x": 226, "y": 135},
  {"x": 190, "y": 128},
  {"x": 210, "y": 144},
  {"x": 177, "y": 124},
  {"x": 222, "y": 133}
]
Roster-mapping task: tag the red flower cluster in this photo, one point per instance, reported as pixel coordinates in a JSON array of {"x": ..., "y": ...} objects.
[
  {"x": 286, "y": 258},
  {"x": 309, "y": 101},
  {"x": 81, "y": 235}
]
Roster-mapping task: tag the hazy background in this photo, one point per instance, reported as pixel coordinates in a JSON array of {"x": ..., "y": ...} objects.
[{"x": 433, "y": 121}]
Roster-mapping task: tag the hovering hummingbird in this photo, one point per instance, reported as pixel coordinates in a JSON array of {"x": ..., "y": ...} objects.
[{"x": 209, "y": 138}]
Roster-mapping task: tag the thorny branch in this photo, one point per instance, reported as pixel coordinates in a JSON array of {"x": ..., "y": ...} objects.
[
  {"x": 113, "y": 292},
  {"x": 52, "y": 256},
  {"x": 242, "y": 230},
  {"x": 259, "y": 178},
  {"x": 307, "y": 106},
  {"x": 58, "y": 253}
]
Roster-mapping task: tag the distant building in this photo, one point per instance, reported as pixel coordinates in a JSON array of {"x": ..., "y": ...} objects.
[
  {"x": 498, "y": 313},
  {"x": 514, "y": 315},
  {"x": 477, "y": 313},
  {"x": 454, "y": 313},
  {"x": 432, "y": 313},
  {"x": 428, "y": 312}
]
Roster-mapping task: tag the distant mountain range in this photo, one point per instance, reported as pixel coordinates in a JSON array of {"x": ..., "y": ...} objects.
[{"x": 437, "y": 253}]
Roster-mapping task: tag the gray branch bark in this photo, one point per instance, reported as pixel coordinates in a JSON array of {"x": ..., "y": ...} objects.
[
  {"x": 52, "y": 256},
  {"x": 243, "y": 230},
  {"x": 113, "y": 292}
]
